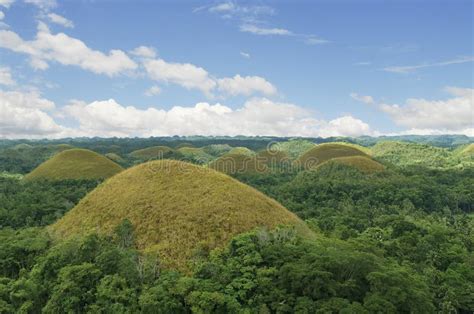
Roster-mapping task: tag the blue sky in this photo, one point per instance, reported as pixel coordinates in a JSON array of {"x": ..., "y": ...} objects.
[{"x": 304, "y": 68}]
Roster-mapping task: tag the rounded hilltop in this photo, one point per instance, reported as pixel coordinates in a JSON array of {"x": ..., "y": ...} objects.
[
  {"x": 153, "y": 152},
  {"x": 361, "y": 163},
  {"x": 324, "y": 152},
  {"x": 176, "y": 208},
  {"x": 232, "y": 163},
  {"x": 75, "y": 164}
]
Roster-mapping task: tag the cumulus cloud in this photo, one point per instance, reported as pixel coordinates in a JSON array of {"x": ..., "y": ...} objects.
[
  {"x": 258, "y": 116},
  {"x": 247, "y": 85},
  {"x": 6, "y": 77},
  {"x": 184, "y": 74},
  {"x": 455, "y": 113},
  {"x": 60, "y": 20},
  {"x": 61, "y": 48},
  {"x": 144, "y": 51},
  {"x": 152, "y": 91},
  {"x": 191, "y": 76},
  {"x": 2, "y": 15},
  {"x": 24, "y": 115}
]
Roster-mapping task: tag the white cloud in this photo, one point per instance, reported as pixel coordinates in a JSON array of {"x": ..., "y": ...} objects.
[
  {"x": 43, "y": 4},
  {"x": 232, "y": 8},
  {"x": 66, "y": 50},
  {"x": 413, "y": 68},
  {"x": 61, "y": 20},
  {"x": 6, "y": 3},
  {"x": 223, "y": 7},
  {"x": 345, "y": 126},
  {"x": 245, "y": 55},
  {"x": 184, "y": 74},
  {"x": 257, "y": 30},
  {"x": 152, "y": 91},
  {"x": 23, "y": 115},
  {"x": 191, "y": 76},
  {"x": 247, "y": 85},
  {"x": 6, "y": 77},
  {"x": 454, "y": 115},
  {"x": 2, "y": 15},
  {"x": 258, "y": 116},
  {"x": 365, "y": 99},
  {"x": 144, "y": 51}
]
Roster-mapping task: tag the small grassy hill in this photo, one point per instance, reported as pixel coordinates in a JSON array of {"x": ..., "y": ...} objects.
[
  {"x": 150, "y": 153},
  {"x": 238, "y": 164},
  {"x": 361, "y": 163},
  {"x": 195, "y": 155},
  {"x": 75, "y": 164},
  {"x": 217, "y": 149},
  {"x": 324, "y": 152},
  {"x": 176, "y": 208},
  {"x": 273, "y": 158}
]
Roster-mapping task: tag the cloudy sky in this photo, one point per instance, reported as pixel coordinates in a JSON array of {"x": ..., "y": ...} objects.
[{"x": 304, "y": 68}]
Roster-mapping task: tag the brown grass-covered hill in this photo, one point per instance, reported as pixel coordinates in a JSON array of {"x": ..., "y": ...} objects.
[
  {"x": 231, "y": 163},
  {"x": 154, "y": 152},
  {"x": 273, "y": 158},
  {"x": 75, "y": 164},
  {"x": 361, "y": 163},
  {"x": 176, "y": 208},
  {"x": 324, "y": 152}
]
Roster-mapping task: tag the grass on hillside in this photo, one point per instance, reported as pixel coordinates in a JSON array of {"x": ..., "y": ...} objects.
[
  {"x": 76, "y": 164},
  {"x": 273, "y": 158},
  {"x": 325, "y": 152},
  {"x": 231, "y": 163},
  {"x": 154, "y": 152},
  {"x": 115, "y": 157},
  {"x": 361, "y": 163},
  {"x": 176, "y": 209}
]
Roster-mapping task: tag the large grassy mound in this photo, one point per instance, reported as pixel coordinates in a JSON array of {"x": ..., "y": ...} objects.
[
  {"x": 75, "y": 164},
  {"x": 176, "y": 208},
  {"x": 324, "y": 152},
  {"x": 238, "y": 164},
  {"x": 149, "y": 153},
  {"x": 362, "y": 163}
]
